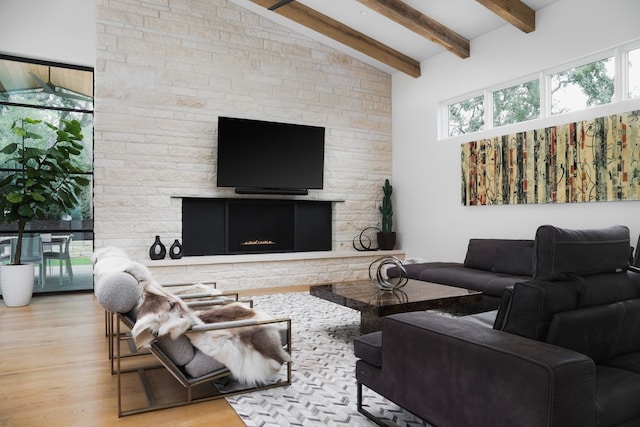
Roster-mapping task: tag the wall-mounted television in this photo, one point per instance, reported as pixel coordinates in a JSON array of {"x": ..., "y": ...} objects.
[{"x": 263, "y": 157}]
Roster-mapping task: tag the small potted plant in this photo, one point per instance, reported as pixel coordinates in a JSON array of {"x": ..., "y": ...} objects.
[
  {"x": 386, "y": 237},
  {"x": 46, "y": 178}
]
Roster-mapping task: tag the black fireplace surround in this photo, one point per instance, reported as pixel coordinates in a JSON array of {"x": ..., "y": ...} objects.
[{"x": 212, "y": 226}]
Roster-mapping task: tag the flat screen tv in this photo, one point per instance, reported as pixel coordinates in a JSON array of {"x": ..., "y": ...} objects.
[{"x": 257, "y": 156}]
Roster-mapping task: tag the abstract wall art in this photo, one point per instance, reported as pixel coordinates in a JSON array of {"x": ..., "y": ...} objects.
[{"x": 587, "y": 161}]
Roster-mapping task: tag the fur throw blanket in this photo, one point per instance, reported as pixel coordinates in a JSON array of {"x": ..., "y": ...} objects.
[{"x": 252, "y": 353}]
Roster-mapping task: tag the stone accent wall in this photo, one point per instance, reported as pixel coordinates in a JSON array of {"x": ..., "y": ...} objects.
[{"x": 166, "y": 69}]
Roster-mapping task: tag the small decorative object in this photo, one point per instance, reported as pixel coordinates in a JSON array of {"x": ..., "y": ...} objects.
[
  {"x": 157, "y": 250},
  {"x": 387, "y": 283},
  {"x": 386, "y": 237},
  {"x": 362, "y": 242},
  {"x": 175, "y": 251}
]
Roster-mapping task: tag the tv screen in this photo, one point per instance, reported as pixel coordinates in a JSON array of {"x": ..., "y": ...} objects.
[{"x": 260, "y": 155}]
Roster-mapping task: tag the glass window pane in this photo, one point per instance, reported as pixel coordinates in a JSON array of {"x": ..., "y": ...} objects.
[
  {"x": 9, "y": 114},
  {"x": 517, "y": 103},
  {"x": 634, "y": 73},
  {"x": 45, "y": 85},
  {"x": 466, "y": 116},
  {"x": 582, "y": 87}
]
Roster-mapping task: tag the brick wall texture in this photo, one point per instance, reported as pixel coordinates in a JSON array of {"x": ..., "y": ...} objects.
[{"x": 167, "y": 69}]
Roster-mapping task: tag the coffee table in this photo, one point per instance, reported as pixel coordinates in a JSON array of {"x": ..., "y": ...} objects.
[{"x": 374, "y": 304}]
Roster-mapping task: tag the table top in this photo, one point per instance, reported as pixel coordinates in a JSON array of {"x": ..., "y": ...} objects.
[{"x": 415, "y": 295}]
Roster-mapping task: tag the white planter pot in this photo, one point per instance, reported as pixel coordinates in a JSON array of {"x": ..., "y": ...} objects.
[{"x": 16, "y": 282}]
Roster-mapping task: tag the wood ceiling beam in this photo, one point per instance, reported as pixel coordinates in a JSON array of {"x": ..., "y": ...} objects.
[
  {"x": 421, "y": 24},
  {"x": 514, "y": 12},
  {"x": 341, "y": 33}
]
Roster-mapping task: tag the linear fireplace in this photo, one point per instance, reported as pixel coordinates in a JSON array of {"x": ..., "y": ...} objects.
[{"x": 246, "y": 226}]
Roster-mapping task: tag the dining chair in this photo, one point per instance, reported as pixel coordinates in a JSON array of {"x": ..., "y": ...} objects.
[{"x": 58, "y": 249}]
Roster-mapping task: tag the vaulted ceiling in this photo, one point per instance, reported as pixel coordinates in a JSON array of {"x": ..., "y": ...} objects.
[{"x": 396, "y": 35}]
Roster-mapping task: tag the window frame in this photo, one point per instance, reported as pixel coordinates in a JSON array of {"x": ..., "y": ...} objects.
[
  {"x": 620, "y": 96},
  {"x": 85, "y": 226}
]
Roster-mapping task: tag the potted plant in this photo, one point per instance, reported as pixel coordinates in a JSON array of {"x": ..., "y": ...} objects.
[
  {"x": 386, "y": 237},
  {"x": 46, "y": 178}
]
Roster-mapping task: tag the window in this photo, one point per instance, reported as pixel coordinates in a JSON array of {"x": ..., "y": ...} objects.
[
  {"x": 466, "y": 116},
  {"x": 582, "y": 87},
  {"x": 516, "y": 103},
  {"x": 591, "y": 83},
  {"x": 634, "y": 73},
  {"x": 52, "y": 92}
]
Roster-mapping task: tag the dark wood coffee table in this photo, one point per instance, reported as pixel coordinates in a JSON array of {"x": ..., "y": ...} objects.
[{"x": 374, "y": 304}]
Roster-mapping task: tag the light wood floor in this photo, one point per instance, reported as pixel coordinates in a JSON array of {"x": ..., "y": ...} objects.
[{"x": 54, "y": 370}]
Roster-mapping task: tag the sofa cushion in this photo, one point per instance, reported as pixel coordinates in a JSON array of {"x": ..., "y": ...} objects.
[
  {"x": 489, "y": 283},
  {"x": 628, "y": 362},
  {"x": 481, "y": 253},
  {"x": 533, "y": 304},
  {"x": 203, "y": 364},
  {"x": 591, "y": 331},
  {"x": 118, "y": 292},
  {"x": 516, "y": 260},
  {"x": 628, "y": 335},
  {"x": 617, "y": 396},
  {"x": 600, "y": 289},
  {"x": 180, "y": 350},
  {"x": 369, "y": 348},
  {"x": 562, "y": 253}
]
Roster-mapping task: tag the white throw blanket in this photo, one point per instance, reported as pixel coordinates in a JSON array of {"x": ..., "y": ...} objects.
[{"x": 253, "y": 354}]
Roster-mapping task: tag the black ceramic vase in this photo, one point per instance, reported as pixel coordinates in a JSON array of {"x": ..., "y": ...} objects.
[
  {"x": 157, "y": 250},
  {"x": 175, "y": 251}
]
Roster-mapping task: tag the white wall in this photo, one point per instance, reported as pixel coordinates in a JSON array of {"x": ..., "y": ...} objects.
[
  {"x": 430, "y": 219},
  {"x": 61, "y": 30}
]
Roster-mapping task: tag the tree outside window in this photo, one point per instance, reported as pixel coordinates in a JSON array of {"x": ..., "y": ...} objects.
[
  {"x": 466, "y": 116},
  {"x": 582, "y": 87}
]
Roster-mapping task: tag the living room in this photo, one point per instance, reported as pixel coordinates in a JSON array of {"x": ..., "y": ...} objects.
[{"x": 165, "y": 72}]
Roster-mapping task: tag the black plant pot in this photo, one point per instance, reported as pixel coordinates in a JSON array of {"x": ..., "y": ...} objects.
[{"x": 386, "y": 240}]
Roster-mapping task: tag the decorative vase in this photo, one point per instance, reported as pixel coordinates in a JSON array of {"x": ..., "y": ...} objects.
[
  {"x": 386, "y": 240},
  {"x": 16, "y": 282},
  {"x": 157, "y": 250},
  {"x": 175, "y": 251}
]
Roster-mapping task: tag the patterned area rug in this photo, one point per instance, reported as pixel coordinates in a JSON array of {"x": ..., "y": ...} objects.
[{"x": 323, "y": 389}]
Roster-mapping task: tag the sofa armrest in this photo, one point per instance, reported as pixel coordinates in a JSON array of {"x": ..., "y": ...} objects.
[{"x": 453, "y": 373}]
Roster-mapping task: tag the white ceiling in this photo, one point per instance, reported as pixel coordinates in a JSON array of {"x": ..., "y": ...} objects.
[{"x": 466, "y": 17}]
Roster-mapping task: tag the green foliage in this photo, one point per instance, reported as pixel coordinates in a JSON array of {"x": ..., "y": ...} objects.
[
  {"x": 466, "y": 116},
  {"x": 47, "y": 177},
  {"x": 522, "y": 102},
  {"x": 516, "y": 104},
  {"x": 387, "y": 207},
  {"x": 591, "y": 78}
]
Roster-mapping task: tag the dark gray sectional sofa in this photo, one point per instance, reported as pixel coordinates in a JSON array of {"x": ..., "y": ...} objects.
[
  {"x": 490, "y": 266},
  {"x": 562, "y": 350}
]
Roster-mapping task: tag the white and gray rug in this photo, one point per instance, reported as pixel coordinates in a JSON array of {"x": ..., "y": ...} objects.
[{"x": 323, "y": 389}]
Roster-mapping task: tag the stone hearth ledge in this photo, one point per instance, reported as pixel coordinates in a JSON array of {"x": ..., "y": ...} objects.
[{"x": 259, "y": 271}]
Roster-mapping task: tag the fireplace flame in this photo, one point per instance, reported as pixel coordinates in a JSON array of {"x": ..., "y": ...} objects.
[{"x": 257, "y": 242}]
